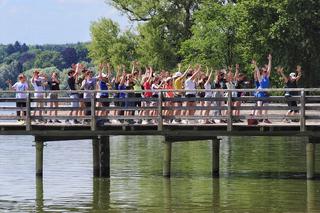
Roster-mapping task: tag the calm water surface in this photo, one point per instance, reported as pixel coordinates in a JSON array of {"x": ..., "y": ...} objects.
[{"x": 258, "y": 175}]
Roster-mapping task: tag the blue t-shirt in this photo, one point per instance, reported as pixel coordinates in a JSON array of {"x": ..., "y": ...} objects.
[
  {"x": 264, "y": 84},
  {"x": 122, "y": 94},
  {"x": 103, "y": 87}
]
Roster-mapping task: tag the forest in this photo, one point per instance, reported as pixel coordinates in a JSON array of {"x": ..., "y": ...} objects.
[
  {"x": 20, "y": 57},
  {"x": 216, "y": 33}
]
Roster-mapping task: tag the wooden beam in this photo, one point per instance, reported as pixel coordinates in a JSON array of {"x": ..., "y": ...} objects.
[
  {"x": 39, "y": 157},
  {"x": 104, "y": 143},
  {"x": 167, "y": 151}
]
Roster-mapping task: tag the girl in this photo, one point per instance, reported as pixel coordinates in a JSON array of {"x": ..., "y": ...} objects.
[{"x": 20, "y": 86}]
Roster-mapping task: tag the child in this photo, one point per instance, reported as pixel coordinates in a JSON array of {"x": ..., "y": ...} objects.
[{"x": 20, "y": 86}]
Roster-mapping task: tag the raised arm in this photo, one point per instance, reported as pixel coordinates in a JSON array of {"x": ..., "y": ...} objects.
[
  {"x": 269, "y": 64},
  {"x": 256, "y": 70},
  {"x": 196, "y": 72},
  {"x": 101, "y": 68},
  {"x": 118, "y": 73},
  {"x": 299, "y": 70},
  {"x": 280, "y": 71},
  {"x": 150, "y": 74},
  {"x": 123, "y": 79},
  {"x": 209, "y": 78},
  {"x": 185, "y": 73},
  {"x": 236, "y": 74},
  {"x": 9, "y": 82}
]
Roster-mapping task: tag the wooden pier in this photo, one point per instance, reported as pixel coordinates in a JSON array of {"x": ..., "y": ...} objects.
[{"x": 306, "y": 122}]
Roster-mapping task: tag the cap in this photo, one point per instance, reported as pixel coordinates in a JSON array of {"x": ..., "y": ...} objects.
[
  {"x": 104, "y": 75},
  {"x": 293, "y": 75},
  {"x": 177, "y": 74}
]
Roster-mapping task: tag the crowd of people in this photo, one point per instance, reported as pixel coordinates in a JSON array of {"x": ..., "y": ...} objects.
[{"x": 145, "y": 85}]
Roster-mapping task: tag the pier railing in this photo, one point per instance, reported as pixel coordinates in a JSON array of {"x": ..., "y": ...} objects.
[{"x": 225, "y": 108}]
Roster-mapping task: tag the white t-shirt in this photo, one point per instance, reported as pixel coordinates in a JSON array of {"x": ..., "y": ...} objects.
[
  {"x": 232, "y": 85},
  {"x": 38, "y": 87},
  {"x": 208, "y": 91},
  {"x": 87, "y": 85},
  {"x": 190, "y": 85},
  {"x": 20, "y": 87},
  {"x": 154, "y": 88}
]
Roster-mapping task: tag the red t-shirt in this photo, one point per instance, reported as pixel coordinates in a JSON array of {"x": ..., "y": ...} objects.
[{"x": 147, "y": 86}]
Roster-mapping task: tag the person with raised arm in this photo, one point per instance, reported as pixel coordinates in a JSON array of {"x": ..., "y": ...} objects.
[
  {"x": 54, "y": 85},
  {"x": 81, "y": 75},
  {"x": 20, "y": 87},
  {"x": 239, "y": 84},
  {"x": 38, "y": 85},
  {"x": 115, "y": 86},
  {"x": 291, "y": 82},
  {"x": 74, "y": 96},
  {"x": 88, "y": 85},
  {"x": 122, "y": 95},
  {"x": 178, "y": 79},
  {"x": 137, "y": 87},
  {"x": 264, "y": 83},
  {"x": 208, "y": 94},
  {"x": 103, "y": 87},
  {"x": 147, "y": 94},
  {"x": 200, "y": 85},
  {"x": 219, "y": 83},
  {"x": 168, "y": 85},
  {"x": 190, "y": 87}
]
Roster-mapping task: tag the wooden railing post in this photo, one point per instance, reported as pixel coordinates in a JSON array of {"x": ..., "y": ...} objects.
[
  {"x": 303, "y": 111},
  {"x": 93, "y": 111},
  {"x": 160, "y": 118},
  {"x": 229, "y": 128},
  {"x": 28, "y": 112}
]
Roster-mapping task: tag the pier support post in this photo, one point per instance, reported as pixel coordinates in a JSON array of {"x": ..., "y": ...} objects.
[
  {"x": 96, "y": 157},
  {"x": 39, "y": 157},
  {"x": 167, "y": 159},
  {"x": 310, "y": 157},
  {"x": 215, "y": 156},
  {"x": 104, "y": 147}
]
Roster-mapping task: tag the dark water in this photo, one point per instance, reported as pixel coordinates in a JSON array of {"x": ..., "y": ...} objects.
[{"x": 258, "y": 175}]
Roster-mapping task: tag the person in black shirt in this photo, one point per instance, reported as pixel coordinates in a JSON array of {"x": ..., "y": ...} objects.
[
  {"x": 54, "y": 85},
  {"x": 72, "y": 82},
  {"x": 291, "y": 82}
]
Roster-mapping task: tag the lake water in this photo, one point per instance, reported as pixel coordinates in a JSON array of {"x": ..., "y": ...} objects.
[{"x": 258, "y": 174}]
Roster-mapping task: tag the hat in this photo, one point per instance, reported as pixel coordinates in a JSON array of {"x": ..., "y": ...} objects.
[
  {"x": 104, "y": 75},
  {"x": 177, "y": 74},
  {"x": 293, "y": 75}
]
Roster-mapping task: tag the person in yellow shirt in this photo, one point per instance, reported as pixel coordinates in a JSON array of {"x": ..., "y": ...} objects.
[{"x": 178, "y": 84}]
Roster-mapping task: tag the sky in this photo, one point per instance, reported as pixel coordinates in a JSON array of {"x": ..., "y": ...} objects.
[{"x": 53, "y": 21}]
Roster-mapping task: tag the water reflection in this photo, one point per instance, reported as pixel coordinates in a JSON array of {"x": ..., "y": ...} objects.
[
  {"x": 215, "y": 194},
  {"x": 167, "y": 194},
  {"x": 39, "y": 195},
  {"x": 101, "y": 194},
  {"x": 311, "y": 196}
]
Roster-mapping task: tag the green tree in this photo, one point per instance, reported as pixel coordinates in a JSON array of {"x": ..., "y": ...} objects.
[
  {"x": 108, "y": 44},
  {"x": 104, "y": 34},
  {"x": 49, "y": 59},
  {"x": 214, "y": 40},
  {"x": 165, "y": 25}
]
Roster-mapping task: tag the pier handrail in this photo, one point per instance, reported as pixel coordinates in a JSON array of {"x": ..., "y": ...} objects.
[{"x": 161, "y": 105}]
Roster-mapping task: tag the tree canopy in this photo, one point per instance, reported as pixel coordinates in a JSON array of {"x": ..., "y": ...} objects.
[{"x": 217, "y": 33}]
